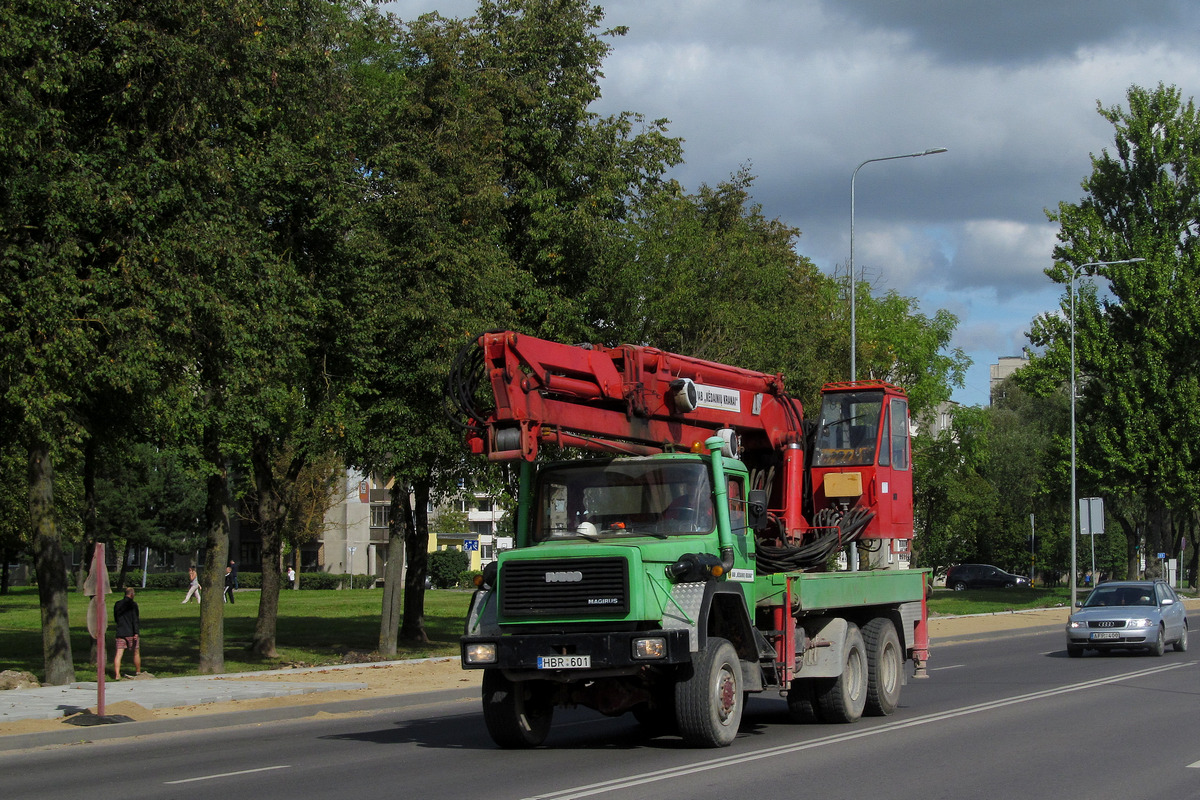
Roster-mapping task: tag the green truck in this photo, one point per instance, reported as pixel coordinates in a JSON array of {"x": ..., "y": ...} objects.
[{"x": 719, "y": 544}]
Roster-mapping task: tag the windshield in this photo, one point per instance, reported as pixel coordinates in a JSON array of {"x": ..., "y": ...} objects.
[
  {"x": 604, "y": 499},
  {"x": 848, "y": 429},
  {"x": 1120, "y": 596}
]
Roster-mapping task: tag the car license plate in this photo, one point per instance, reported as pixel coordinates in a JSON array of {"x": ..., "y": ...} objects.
[
  {"x": 1106, "y": 635},
  {"x": 564, "y": 662}
]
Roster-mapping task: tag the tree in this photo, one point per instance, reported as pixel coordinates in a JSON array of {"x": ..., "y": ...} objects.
[
  {"x": 492, "y": 191},
  {"x": 1139, "y": 409},
  {"x": 898, "y": 343},
  {"x": 709, "y": 276}
]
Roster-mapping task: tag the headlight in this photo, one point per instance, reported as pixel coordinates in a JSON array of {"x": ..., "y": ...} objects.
[
  {"x": 650, "y": 647},
  {"x": 481, "y": 653},
  {"x": 1139, "y": 623},
  {"x": 1073, "y": 624}
]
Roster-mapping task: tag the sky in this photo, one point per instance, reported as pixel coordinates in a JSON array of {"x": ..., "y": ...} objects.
[{"x": 804, "y": 91}]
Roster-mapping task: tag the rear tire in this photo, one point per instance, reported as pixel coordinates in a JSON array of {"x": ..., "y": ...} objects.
[
  {"x": 959, "y": 586},
  {"x": 885, "y": 667},
  {"x": 802, "y": 701},
  {"x": 1181, "y": 643},
  {"x": 842, "y": 699},
  {"x": 517, "y": 714},
  {"x": 709, "y": 704}
]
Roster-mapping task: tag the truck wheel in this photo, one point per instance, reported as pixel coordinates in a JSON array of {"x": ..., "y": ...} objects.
[
  {"x": 802, "y": 701},
  {"x": 885, "y": 667},
  {"x": 842, "y": 699},
  {"x": 517, "y": 714},
  {"x": 708, "y": 705}
]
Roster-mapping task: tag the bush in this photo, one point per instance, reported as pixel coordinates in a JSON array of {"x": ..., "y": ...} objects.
[
  {"x": 467, "y": 579},
  {"x": 447, "y": 566}
]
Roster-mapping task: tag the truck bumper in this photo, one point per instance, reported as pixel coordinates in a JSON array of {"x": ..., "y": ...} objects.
[{"x": 613, "y": 652}]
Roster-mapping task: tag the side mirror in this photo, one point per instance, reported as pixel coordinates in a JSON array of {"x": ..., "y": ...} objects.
[
  {"x": 756, "y": 509},
  {"x": 1079, "y": 604},
  {"x": 1168, "y": 601}
]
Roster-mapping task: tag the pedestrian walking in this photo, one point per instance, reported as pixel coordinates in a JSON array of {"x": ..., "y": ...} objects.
[
  {"x": 193, "y": 586},
  {"x": 230, "y": 583},
  {"x": 129, "y": 625}
]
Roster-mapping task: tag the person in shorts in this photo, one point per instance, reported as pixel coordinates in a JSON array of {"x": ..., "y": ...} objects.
[{"x": 129, "y": 623}]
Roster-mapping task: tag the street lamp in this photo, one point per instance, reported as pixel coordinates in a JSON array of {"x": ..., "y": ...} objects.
[
  {"x": 1075, "y": 272},
  {"x": 929, "y": 152}
]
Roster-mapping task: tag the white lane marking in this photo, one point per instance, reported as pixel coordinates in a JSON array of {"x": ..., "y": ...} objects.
[
  {"x": 948, "y": 666},
  {"x": 772, "y": 752},
  {"x": 228, "y": 774},
  {"x": 1195, "y": 765}
]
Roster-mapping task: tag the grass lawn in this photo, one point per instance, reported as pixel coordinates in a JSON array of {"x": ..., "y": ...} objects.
[
  {"x": 315, "y": 627},
  {"x": 947, "y": 602}
]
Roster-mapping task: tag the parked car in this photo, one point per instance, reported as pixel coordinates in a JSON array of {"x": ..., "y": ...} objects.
[
  {"x": 1145, "y": 615},
  {"x": 981, "y": 576}
]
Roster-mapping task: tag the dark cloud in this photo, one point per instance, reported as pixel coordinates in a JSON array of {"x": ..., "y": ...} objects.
[{"x": 1018, "y": 31}]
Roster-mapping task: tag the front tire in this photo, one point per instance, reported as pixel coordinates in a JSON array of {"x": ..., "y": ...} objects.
[
  {"x": 885, "y": 667},
  {"x": 959, "y": 586},
  {"x": 517, "y": 714},
  {"x": 842, "y": 699},
  {"x": 1160, "y": 644},
  {"x": 709, "y": 704}
]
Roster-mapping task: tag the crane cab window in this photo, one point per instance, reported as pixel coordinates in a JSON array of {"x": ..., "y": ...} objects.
[
  {"x": 848, "y": 429},
  {"x": 893, "y": 450}
]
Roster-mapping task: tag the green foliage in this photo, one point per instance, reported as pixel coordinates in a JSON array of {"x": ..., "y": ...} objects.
[
  {"x": 897, "y": 343},
  {"x": 976, "y": 485},
  {"x": 1136, "y": 355},
  {"x": 446, "y": 567}
]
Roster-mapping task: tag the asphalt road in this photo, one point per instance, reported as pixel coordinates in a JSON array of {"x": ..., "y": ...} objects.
[{"x": 998, "y": 717}]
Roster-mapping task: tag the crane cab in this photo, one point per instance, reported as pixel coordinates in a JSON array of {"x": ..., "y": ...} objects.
[{"x": 862, "y": 455}]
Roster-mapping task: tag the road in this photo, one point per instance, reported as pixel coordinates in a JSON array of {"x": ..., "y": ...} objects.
[{"x": 1001, "y": 717}]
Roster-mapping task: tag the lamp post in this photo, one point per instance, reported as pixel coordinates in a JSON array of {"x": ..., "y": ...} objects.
[
  {"x": 1074, "y": 522},
  {"x": 853, "y": 348}
]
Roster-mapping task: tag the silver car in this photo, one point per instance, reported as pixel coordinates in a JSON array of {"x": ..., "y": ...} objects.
[{"x": 1145, "y": 615}]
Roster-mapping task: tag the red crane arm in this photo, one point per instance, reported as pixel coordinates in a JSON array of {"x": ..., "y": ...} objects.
[{"x": 626, "y": 399}]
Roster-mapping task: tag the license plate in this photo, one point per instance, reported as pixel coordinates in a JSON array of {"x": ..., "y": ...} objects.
[
  {"x": 564, "y": 662},
  {"x": 1106, "y": 635}
]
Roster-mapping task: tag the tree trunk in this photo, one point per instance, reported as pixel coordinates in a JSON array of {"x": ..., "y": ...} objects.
[
  {"x": 393, "y": 574},
  {"x": 50, "y": 567},
  {"x": 416, "y": 551},
  {"x": 212, "y": 583},
  {"x": 266, "y": 626},
  {"x": 89, "y": 513},
  {"x": 268, "y": 517}
]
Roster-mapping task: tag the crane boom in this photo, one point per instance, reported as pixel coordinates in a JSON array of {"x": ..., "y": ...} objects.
[{"x": 626, "y": 399}]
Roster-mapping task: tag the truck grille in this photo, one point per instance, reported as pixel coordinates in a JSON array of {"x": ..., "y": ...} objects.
[{"x": 560, "y": 587}]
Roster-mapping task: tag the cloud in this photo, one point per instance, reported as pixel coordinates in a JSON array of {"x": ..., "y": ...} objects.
[{"x": 804, "y": 90}]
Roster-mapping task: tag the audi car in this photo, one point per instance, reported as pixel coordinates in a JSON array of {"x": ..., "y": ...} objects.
[{"x": 1140, "y": 615}]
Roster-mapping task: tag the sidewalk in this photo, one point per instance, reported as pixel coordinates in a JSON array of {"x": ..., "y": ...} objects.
[{"x": 53, "y": 702}]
